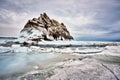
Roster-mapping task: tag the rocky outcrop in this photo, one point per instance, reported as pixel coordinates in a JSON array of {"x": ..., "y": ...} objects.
[{"x": 44, "y": 28}]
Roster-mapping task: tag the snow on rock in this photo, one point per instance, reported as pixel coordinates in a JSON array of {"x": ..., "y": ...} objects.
[{"x": 44, "y": 28}]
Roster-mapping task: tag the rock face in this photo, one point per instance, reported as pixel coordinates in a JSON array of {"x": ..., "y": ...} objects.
[{"x": 44, "y": 28}]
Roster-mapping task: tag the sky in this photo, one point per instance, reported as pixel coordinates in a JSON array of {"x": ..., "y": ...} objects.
[{"x": 85, "y": 19}]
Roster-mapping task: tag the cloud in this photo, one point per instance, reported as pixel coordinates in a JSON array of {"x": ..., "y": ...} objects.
[
  {"x": 84, "y": 18},
  {"x": 9, "y": 17},
  {"x": 12, "y": 22}
]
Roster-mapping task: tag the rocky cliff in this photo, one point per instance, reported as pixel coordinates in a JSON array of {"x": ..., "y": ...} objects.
[{"x": 44, "y": 28}]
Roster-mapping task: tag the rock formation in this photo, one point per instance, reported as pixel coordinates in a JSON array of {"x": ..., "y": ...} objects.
[{"x": 44, "y": 28}]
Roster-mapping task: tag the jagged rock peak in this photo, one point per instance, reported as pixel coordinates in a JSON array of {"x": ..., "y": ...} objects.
[{"x": 44, "y": 28}]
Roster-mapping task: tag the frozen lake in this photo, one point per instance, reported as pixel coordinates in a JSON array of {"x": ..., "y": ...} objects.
[{"x": 16, "y": 60}]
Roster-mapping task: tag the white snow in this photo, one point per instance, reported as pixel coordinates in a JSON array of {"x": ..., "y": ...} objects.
[
  {"x": 74, "y": 43},
  {"x": 112, "y": 50},
  {"x": 35, "y": 34},
  {"x": 4, "y": 49},
  {"x": 18, "y": 49},
  {"x": 31, "y": 34}
]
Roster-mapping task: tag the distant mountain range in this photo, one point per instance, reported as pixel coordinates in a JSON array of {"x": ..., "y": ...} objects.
[{"x": 93, "y": 39}]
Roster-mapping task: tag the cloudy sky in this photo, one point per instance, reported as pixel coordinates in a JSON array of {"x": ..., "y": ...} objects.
[{"x": 85, "y": 19}]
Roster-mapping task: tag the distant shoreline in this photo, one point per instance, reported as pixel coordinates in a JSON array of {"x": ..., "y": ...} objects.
[
  {"x": 8, "y": 37},
  {"x": 74, "y": 40}
]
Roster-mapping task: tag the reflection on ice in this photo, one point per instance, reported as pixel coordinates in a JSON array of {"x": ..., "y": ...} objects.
[
  {"x": 22, "y": 61},
  {"x": 108, "y": 58}
]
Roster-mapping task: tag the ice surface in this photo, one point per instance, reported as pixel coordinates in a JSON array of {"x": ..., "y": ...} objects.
[
  {"x": 4, "y": 49},
  {"x": 18, "y": 49},
  {"x": 21, "y": 58},
  {"x": 17, "y": 62},
  {"x": 73, "y": 42}
]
